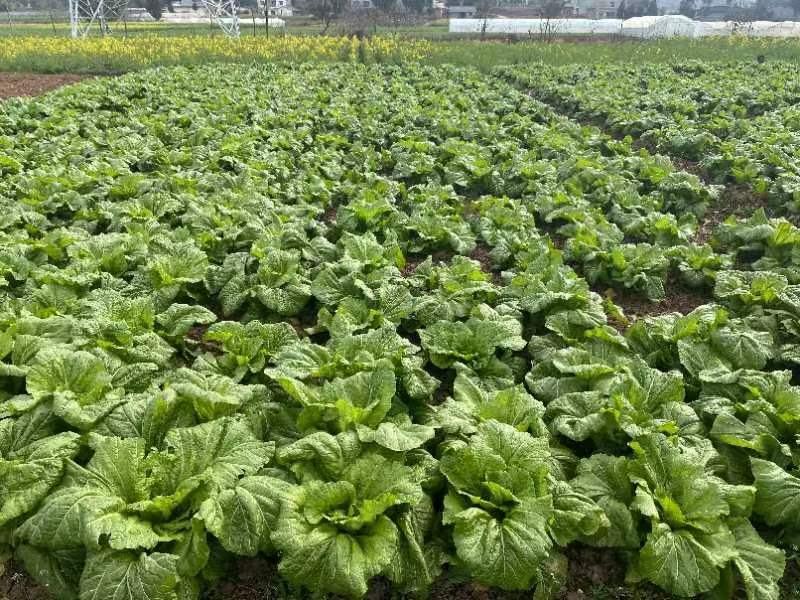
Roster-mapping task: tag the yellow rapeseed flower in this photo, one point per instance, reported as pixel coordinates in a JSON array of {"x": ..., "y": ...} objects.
[{"x": 124, "y": 54}]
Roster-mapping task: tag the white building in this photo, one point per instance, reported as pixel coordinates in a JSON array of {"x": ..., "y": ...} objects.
[
  {"x": 280, "y": 8},
  {"x": 461, "y": 9}
]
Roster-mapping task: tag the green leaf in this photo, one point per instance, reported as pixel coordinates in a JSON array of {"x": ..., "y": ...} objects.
[
  {"x": 191, "y": 548},
  {"x": 336, "y": 535},
  {"x": 32, "y": 473},
  {"x": 605, "y": 479},
  {"x": 499, "y": 453},
  {"x": 777, "y": 494},
  {"x": 697, "y": 357},
  {"x": 75, "y": 375},
  {"x": 361, "y": 399},
  {"x": 472, "y": 404},
  {"x": 397, "y": 437},
  {"x": 242, "y": 518},
  {"x": 211, "y": 396},
  {"x": 324, "y": 558},
  {"x": 178, "y": 319},
  {"x": 683, "y": 562},
  {"x": 575, "y": 515},
  {"x": 420, "y": 556},
  {"x": 91, "y": 506},
  {"x": 745, "y": 349},
  {"x": 581, "y": 416},
  {"x": 473, "y": 341},
  {"x": 504, "y": 552},
  {"x": 673, "y": 482},
  {"x": 760, "y": 564},
  {"x": 110, "y": 575},
  {"x": 216, "y": 454},
  {"x": 320, "y": 455}
]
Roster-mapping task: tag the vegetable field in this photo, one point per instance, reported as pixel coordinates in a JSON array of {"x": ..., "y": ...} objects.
[
  {"x": 389, "y": 325},
  {"x": 739, "y": 122}
]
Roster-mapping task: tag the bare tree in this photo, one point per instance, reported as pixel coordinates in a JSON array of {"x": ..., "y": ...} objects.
[
  {"x": 553, "y": 9},
  {"x": 482, "y": 10},
  {"x": 549, "y": 11},
  {"x": 327, "y": 11},
  {"x": 155, "y": 8}
]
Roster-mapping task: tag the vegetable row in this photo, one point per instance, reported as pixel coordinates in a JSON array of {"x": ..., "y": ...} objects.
[{"x": 738, "y": 121}]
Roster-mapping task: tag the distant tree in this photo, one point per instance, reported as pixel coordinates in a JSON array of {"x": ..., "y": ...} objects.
[
  {"x": 796, "y": 8},
  {"x": 484, "y": 7},
  {"x": 552, "y": 9},
  {"x": 155, "y": 8},
  {"x": 688, "y": 8},
  {"x": 621, "y": 10},
  {"x": 327, "y": 10},
  {"x": 482, "y": 10},
  {"x": 652, "y": 8}
]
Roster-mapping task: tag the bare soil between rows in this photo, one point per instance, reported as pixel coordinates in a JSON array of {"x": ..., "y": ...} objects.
[
  {"x": 679, "y": 298},
  {"x": 593, "y": 574},
  {"x": 13, "y": 85},
  {"x": 737, "y": 200}
]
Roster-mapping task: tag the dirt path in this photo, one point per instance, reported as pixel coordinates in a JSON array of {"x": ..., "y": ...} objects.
[{"x": 33, "y": 84}]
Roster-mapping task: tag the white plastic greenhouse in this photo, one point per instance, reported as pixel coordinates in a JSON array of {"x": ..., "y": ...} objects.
[{"x": 638, "y": 27}]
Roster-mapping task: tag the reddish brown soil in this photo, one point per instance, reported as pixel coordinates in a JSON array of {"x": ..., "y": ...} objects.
[
  {"x": 593, "y": 574},
  {"x": 648, "y": 145},
  {"x": 33, "y": 84},
  {"x": 251, "y": 579},
  {"x": 481, "y": 254},
  {"x": 197, "y": 332},
  {"x": 329, "y": 216},
  {"x": 446, "y": 589},
  {"x": 679, "y": 298},
  {"x": 195, "y": 338},
  {"x": 16, "y": 585},
  {"x": 738, "y": 200},
  {"x": 790, "y": 584},
  {"x": 411, "y": 266},
  {"x": 439, "y": 257},
  {"x": 599, "y": 573},
  {"x": 690, "y": 166}
]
